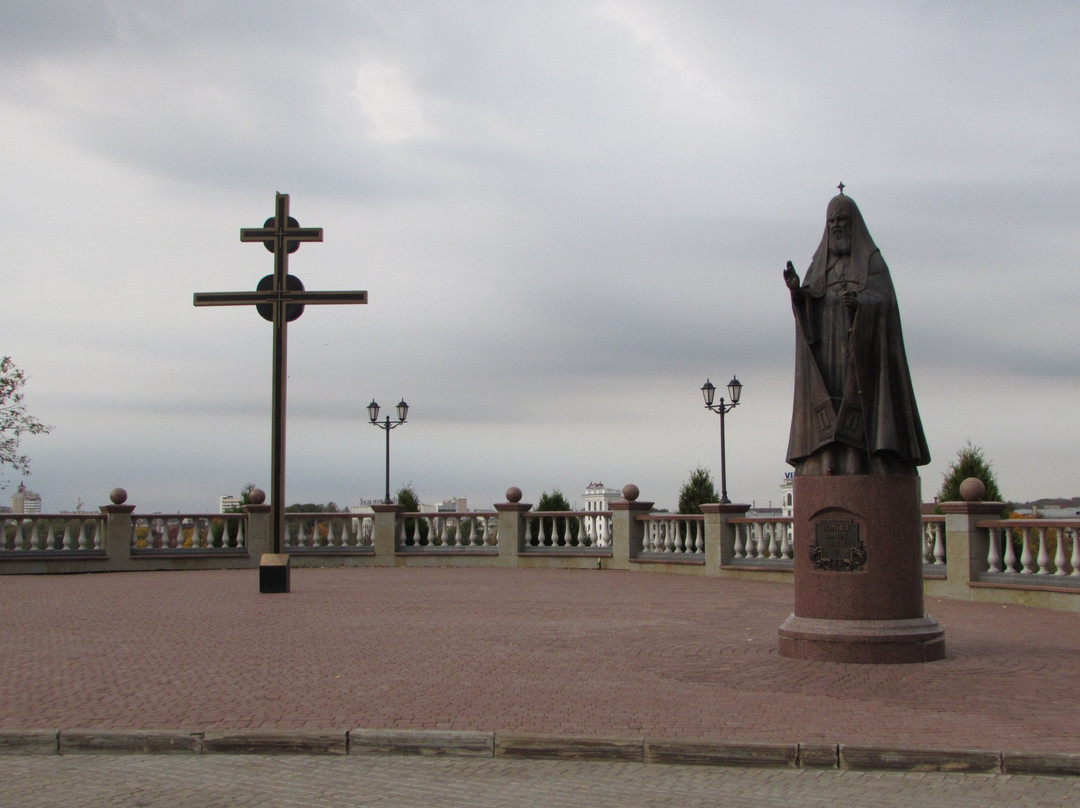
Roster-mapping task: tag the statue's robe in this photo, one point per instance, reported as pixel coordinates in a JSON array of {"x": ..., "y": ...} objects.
[{"x": 854, "y": 408}]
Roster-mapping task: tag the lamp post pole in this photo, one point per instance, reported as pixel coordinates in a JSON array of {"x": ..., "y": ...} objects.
[
  {"x": 708, "y": 391},
  {"x": 387, "y": 425}
]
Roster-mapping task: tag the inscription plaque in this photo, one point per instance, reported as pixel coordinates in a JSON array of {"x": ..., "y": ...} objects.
[{"x": 837, "y": 546}]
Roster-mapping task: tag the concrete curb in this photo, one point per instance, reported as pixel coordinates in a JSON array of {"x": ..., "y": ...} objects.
[
  {"x": 421, "y": 742},
  {"x": 275, "y": 742},
  {"x": 80, "y": 741},
  {"x": 130, "y": 742},
  {"x": 569, "y": 747}
]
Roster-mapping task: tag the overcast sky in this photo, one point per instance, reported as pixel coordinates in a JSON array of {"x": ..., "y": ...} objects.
[{"x": 566, "y": 214}]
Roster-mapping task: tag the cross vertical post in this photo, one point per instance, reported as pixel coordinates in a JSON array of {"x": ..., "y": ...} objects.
[{"x": 279, "y": 298}]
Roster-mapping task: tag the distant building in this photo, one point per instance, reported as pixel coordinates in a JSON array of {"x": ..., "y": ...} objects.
[
  {"x": 25, "y": 501},
  {"x": 452, "y": 505},
  {"x": 598, "y": 498},
  {"x": 227, "y": 503}
]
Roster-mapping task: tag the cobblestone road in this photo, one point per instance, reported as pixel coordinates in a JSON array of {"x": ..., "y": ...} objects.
[{"x": 318, "y": 782}]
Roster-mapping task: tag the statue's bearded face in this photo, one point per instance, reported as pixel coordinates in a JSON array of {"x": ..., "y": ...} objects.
[{"x": 838, "y": 222}]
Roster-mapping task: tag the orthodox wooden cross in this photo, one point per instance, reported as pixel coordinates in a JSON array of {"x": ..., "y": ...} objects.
[{"x": 279, "y": 298}]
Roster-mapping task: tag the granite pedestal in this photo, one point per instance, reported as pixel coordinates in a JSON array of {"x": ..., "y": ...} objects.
[{"x": 858, "y": 573}]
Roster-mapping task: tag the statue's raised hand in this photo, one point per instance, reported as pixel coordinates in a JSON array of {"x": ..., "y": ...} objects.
[{"x": 791, "y": 277}]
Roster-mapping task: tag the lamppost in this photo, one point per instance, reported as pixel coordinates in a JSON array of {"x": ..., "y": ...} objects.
[
  {"x": 708, "y": 390},
  {"x": 387, "y": 425}
]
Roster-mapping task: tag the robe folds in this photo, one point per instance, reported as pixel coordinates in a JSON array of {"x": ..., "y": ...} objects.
[{"x": 853, "y": 392}]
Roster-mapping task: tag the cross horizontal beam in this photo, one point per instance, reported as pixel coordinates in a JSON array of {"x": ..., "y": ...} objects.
[{"x": 253, "y": 298}]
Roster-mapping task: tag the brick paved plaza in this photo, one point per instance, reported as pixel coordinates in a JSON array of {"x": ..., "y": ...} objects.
[{"x": 513, "y": 650}]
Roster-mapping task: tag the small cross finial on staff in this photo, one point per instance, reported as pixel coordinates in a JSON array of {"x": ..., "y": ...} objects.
[{"x": 841, "y": 186}]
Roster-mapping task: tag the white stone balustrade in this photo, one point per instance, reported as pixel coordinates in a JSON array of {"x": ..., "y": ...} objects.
[
  {"x": 57, "y": 533},
  {"x": 192, "y": 532},
  {"x": 968, "y": 551},
  {"x": 567, "y": 530},
  {"x": 1040, "y": 548},
  {"x": 674, "y": 534},
  {"x": 763, "y": 539},
  {"x": 447, "y": 531},
  {"x": 328, "y": 531},
  {"x": 934, "y": 540}
]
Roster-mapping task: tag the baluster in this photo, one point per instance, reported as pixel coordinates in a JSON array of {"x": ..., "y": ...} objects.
[
  {"x": 1025, "y": 552},
  {"x": 1075, "y": 560},
  {"x": 740, "y": 540},
  {"x": 82, "y": 542},
  {"x": 1059, "y": 552},
  {"x": 65, "y": 541},
  {"x": 939, "y": 543},
  {"x": 1010, "y": 551},
  {"x": 753, "y": 541},
  {"x": 993, "y": 556},
  {"x": 785, "y": 544},
  {"x": 774, "y": 549},
  {"x": 1044, "y": 554}
]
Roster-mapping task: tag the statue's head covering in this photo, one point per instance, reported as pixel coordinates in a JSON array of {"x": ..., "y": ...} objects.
[{"x": 862, "y": 247}]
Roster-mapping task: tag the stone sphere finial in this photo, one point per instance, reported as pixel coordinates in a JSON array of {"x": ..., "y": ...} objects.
[
  {"x": 257, "y": 496},
  {"x": 513, "y": 494},
  {"x": 631, "y": 492},
  {"x": 118, "y": 496},
  {"x": 973, "y": 489}
]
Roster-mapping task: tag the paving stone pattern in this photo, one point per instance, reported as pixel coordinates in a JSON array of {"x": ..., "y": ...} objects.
[
  {"x": 314, "y": 782},
  {"x": 511, "y": 650}
]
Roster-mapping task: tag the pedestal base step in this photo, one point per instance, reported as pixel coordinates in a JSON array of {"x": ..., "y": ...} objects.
[{"x": 882, "y": 642}]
